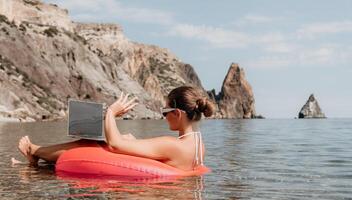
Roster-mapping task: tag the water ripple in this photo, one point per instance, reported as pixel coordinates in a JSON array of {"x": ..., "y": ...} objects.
[{"x": 250, "y": 159}]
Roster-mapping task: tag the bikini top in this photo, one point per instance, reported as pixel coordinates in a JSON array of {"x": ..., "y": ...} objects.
[{"x": 198, "y": 158}]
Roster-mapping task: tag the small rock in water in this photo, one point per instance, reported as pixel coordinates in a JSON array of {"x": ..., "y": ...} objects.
[{"x": 311, "y": 109}]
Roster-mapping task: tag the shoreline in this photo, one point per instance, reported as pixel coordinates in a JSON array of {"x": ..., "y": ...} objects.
[
  {"x": 6, "y": 119},
  {"x": 15, "y": 120}
]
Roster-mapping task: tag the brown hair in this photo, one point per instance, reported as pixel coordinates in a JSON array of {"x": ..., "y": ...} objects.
[{"x": 192, "y": 101}]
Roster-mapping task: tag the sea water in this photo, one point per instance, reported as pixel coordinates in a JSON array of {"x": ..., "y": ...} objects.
[{"x": 250, "y": 159}]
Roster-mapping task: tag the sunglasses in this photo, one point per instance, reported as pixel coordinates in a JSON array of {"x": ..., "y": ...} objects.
[{"x": 164, "y": 111}]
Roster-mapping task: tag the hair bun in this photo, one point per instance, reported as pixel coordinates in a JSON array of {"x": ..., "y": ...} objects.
[{"x": 205, "y": 107}]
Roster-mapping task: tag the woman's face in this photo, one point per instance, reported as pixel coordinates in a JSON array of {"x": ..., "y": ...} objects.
[{"x": 172, "y": 119}]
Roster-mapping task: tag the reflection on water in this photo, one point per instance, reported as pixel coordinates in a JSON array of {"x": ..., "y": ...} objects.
[
  {"x": 58, "y": 185},
  {"x": 261, "y": 159}
]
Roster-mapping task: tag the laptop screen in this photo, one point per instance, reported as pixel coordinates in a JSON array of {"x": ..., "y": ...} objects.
[{"x": 85, "y": 119}]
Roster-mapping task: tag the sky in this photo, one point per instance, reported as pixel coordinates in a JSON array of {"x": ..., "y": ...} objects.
[{"x": 288, "y": 49}]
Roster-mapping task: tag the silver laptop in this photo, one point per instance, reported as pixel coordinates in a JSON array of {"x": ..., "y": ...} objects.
[{"x": 86, "y": 120}]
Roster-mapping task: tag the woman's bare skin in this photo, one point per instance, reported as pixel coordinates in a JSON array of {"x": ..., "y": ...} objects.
[
  {"x": 170, "y": 150},
  {"x": 26, "y": 148},
  {"x": 51, "y": 153}
]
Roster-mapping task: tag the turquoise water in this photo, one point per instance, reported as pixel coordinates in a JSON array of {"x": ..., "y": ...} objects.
[{"x": 250, "y": 159}]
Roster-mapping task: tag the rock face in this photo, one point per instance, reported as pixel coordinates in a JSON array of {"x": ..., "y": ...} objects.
[
  {"x": 42, "y": 67},
  {"x": 34, "y": 11},
  {"x": 236, "y": 98},
  {"x": 45, "y": 59},
  {"x": 156, "y": 69},
  {"x": 311, "y": 109}
]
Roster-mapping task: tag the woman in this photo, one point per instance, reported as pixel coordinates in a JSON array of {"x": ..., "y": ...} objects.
[{"x": 185, "y": 106}]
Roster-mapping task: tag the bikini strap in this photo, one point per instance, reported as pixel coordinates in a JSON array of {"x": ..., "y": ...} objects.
[
  {"x": 184, "y": 135},
  {"x": 201, "y": 148},
  {"x": 198, "y": 160}
]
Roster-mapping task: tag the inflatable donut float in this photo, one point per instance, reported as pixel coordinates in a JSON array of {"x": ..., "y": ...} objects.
[{"x": 99, "y": 161}]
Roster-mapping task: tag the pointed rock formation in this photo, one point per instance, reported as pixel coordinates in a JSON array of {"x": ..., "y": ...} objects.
[
  {"x": 311, "y": 109},
  {"x": 236, "y": 98}
]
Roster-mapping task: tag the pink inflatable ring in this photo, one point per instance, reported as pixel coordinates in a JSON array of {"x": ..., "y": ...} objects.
[{"x": 99, "y": 161}]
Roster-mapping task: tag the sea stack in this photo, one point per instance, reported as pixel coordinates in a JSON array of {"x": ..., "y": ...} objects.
[
  {"x": 311, "y": 109},
  {"x": 236, "y": 99}
]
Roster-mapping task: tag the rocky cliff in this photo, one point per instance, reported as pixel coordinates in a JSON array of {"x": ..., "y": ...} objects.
[
  {"x": 156, "y": 69},
  {"x": 311, "y": 109},
  {"x": 45, "y": 59},
  {"x": 42, "y": 67},
  {"x": 236, "y": 99},
  {"x": 36, "y": 12}
]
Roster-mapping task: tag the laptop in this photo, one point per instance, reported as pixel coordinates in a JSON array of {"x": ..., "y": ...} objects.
[{"x": 86, "y": 120}]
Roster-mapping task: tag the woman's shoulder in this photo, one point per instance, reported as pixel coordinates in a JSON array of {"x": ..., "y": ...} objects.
[
  {"x": 169, "y": 141},
  {"x": 167, "y": 138}
]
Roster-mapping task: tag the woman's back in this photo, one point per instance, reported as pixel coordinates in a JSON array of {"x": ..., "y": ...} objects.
[{"x": 190, "y": 153}]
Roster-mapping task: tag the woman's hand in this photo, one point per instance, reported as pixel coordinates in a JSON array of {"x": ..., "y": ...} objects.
[{"x": 122, "y": 106}]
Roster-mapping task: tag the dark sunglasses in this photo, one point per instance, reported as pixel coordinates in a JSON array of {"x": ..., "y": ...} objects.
[{"x": 164, "y": 111}]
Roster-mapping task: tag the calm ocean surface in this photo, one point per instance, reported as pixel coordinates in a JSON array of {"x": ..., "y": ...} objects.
[{"x": 250, "y": 159}]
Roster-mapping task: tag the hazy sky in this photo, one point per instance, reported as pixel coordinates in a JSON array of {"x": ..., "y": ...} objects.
[{"x": 288, "y": 49}]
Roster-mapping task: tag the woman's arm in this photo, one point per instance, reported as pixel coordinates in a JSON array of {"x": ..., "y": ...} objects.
[
  {"x": 159, "y": 148},
  {"x": 128, "y": 136}
]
